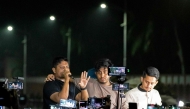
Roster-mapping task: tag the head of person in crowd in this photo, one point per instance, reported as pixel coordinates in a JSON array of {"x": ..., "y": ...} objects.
[
  {"x": 149, "y": 79},
  {"x": 60, "y": 66},
  {"x": 102, "y": 70}
]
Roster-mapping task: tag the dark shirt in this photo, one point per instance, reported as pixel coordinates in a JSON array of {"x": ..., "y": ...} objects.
[{"x": 51, "y": 87}]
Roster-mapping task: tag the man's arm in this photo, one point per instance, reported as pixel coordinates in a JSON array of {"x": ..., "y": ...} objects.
[
  {"x": 159, "y": 100},
  {"x": 83, "y": 95},
  {"x": 51, "y": 77},
  {"x": 63, "y": 94},
  {"x": 129, "y": 98}
]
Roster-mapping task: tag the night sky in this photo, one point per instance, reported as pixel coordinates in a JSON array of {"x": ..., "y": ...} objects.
[{"x": 157, "y": 31}]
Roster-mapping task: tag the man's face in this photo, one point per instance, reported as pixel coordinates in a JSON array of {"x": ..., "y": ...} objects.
[
  {"x": 102, "y": 75},
  {"x": 60, "y": 69},
  {"x": 148, "y": 83}
]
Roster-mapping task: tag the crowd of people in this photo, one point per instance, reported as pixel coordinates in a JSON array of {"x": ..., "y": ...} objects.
[{"x": 61, "y": 85}]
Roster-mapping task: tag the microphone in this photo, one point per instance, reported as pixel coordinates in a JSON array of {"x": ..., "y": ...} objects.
[{"x": 71, "y": 76}]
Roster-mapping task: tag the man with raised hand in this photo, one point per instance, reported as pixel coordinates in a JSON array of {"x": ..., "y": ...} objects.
[{"x": 63, "y": 87}]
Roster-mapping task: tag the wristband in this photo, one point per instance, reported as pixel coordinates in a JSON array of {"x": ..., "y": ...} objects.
[{"x": 82, "y": 88}]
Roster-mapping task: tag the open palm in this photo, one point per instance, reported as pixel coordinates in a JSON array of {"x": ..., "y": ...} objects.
[{"x": 84, "y": 79}]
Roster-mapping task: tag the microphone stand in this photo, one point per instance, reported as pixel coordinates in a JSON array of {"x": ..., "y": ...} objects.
[{"x": 117, "y": 106}]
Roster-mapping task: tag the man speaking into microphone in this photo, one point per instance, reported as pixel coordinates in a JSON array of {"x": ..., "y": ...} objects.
[{"x": 63, "y": 87}]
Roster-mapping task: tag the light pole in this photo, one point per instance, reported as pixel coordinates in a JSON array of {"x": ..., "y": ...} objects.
[
  {"x": 124, "y": 25},
  {"x": 24, "y": 41},
  {"x": 68, "y": 34},
  {"x": 24, "y": 61}
]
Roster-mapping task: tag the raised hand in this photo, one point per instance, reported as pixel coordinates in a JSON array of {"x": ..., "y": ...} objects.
[{"x": 84, "y": 80}]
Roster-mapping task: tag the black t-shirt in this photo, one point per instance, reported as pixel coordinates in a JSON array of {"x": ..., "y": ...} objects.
[{"x": 51, "y": 87}]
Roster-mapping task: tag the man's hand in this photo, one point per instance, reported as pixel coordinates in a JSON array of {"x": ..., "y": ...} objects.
[
  {"x": 50, "y": 77},
  {"x": 66, "y": 75},
  {"x": 84, "y": 80}
]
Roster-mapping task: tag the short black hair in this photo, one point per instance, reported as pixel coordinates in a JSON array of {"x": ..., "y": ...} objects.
[
  {"x": 151, "y": 71},
  {"x": 58, "y": 60},
  {"x": 103, "y": 62}
]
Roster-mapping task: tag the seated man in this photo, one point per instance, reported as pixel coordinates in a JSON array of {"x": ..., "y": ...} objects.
[
  {"x": 144, "y": 94},
  {"x": 102, "y": 86},
  {"x": 62, "y": 87}
]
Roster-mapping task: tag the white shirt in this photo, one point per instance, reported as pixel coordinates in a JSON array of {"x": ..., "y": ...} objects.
[{"x": 143, "y": 98}]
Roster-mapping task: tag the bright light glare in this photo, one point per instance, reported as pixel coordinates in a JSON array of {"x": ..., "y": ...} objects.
[
  {"x": 9, "y": 28},
  {"x": 52, "y": 18},
  {"x": 103, "y": 5},
  {"x": 181, "y": 104}
]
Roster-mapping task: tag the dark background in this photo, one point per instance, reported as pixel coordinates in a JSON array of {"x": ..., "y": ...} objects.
[{"x": 157, "y": 34}]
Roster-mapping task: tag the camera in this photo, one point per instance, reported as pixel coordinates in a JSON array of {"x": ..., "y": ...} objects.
[
  {"x": 123, "y": 87},
  {"x": 117, "y": 71},
  {"x": 17, "y": 84},
  {"x": 83, "y": 105},
  {"x": 155, "y": 106},
  {"x": 120, "y": 86},
  {"x": 14, "y": 85},
  {"x": 68, "y": 103},
  {"x": 11, "y": 97},
  {"x": 96, "y": 102}
]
